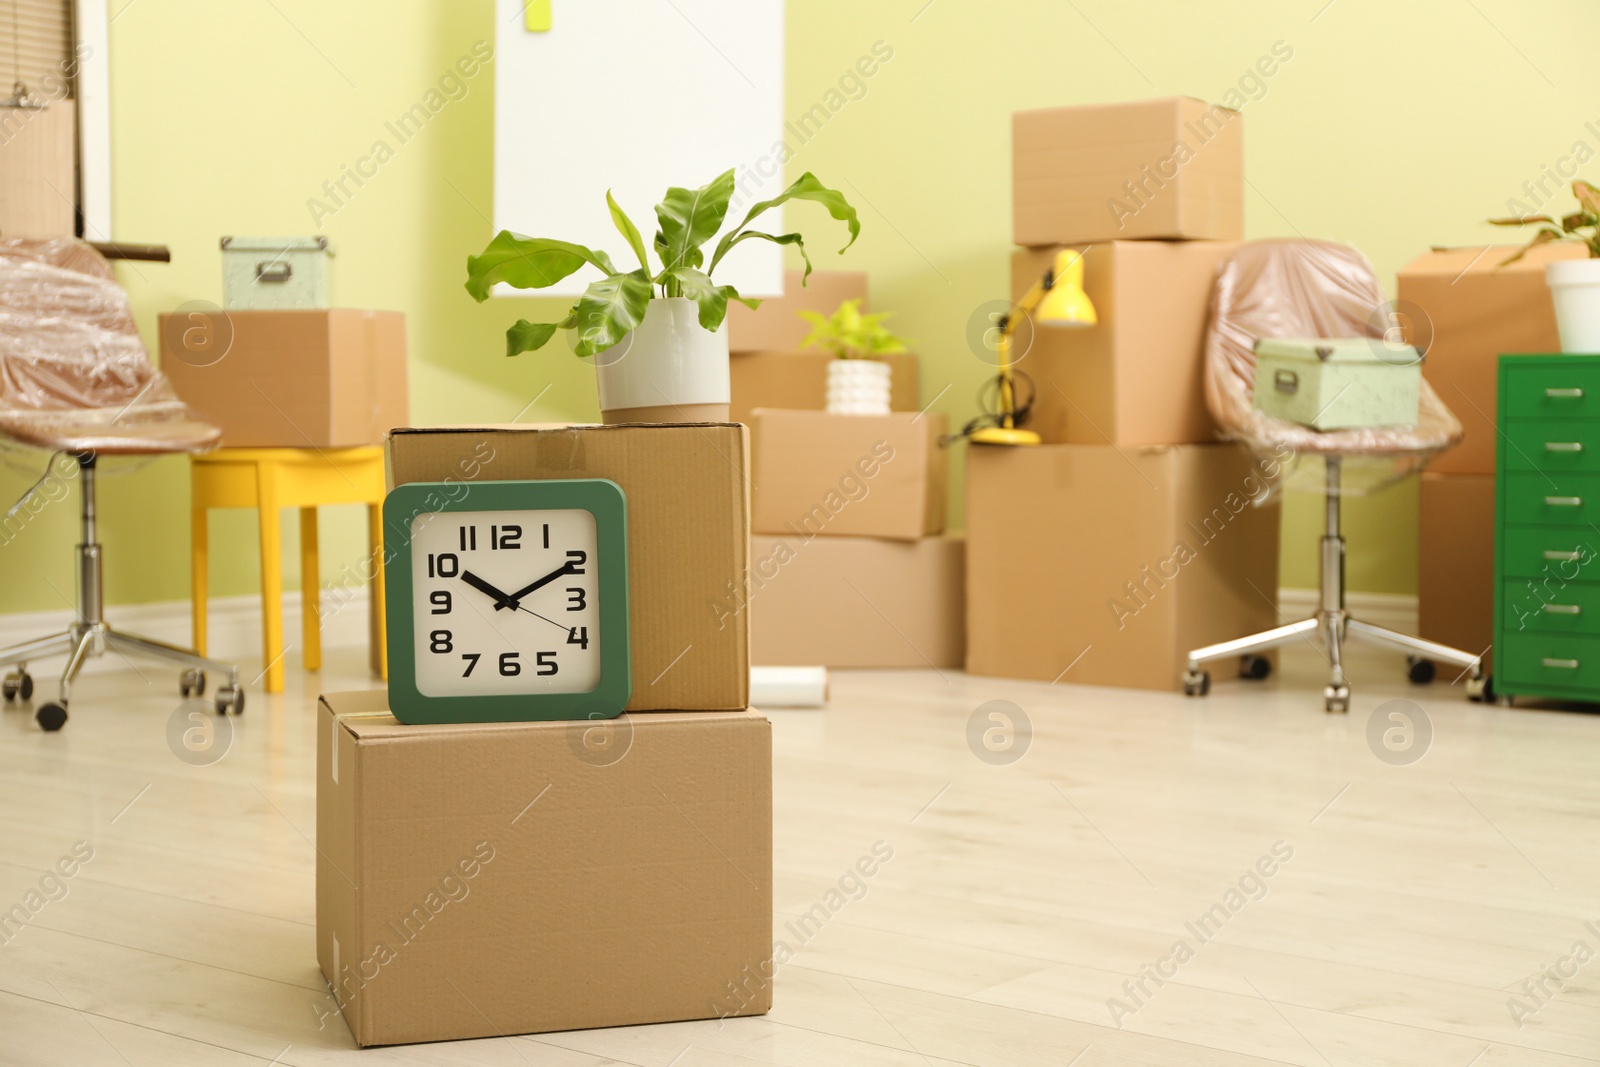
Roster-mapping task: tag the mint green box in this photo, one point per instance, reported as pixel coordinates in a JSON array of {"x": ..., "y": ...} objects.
[
  {"x": 1338, "y": 383},
  {"x": 275, "y": 273}
]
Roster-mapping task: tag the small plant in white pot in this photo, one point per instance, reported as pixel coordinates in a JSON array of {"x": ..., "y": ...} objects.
[
  {"x": 859, "y": 382},
  {"x": 662, "y": 329},
  {"x": 1574, "y": 283}
]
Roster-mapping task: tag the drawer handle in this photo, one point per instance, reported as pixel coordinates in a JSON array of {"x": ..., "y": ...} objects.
[
  {"x": 1563, "y": 609},
  {"x": 1564, "y": 394},
  {"x": 1563, "y": 446},
  {"x": 1564, "y": 557},
  {"x": 1564, "y": 501},
  {"x": 1561, "y": 664}
]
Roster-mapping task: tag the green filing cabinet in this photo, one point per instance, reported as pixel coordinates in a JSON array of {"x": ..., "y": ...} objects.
[{"x": 1547, "y": 528}]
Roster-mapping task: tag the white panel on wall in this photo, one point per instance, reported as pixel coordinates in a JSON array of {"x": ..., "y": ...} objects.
[{"x": 635, "y": 96}]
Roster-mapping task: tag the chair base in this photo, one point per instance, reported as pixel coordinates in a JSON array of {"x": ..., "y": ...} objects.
[
  {"x": 1334, "y": 624},
  {"x": 90, "y": 636},
  {"x": 1335, "y": 627}
]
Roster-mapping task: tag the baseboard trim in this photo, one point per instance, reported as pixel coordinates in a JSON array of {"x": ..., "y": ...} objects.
[
  {"x": 234, "y": 624},
  {"x": 1395, "y": 611}
]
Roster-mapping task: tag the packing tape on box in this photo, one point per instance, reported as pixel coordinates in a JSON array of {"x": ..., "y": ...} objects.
[{"x": 788, "y": 687}]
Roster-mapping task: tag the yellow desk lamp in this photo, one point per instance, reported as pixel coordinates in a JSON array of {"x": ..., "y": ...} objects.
[{"x": 1056, "y": 300}]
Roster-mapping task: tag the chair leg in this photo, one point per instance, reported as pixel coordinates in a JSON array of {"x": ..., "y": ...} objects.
[
  {"x": 310, "y": 592},
  {"x": 1336, "y": 695},
  {"x": 55, "y": 645},
  {"x": 1417, "y": 646},
  {"x": 1261, "y": 642},
  {"x": 80, "y": 653},
  {"x": 151, "y": 649}
]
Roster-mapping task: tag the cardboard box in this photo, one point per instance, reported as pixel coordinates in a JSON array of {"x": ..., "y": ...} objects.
[
  {"x": 514, "y": 878},
  {"x": 291, "y": 379},
  {"x": 1103, "y": 566},
  {"x": 688, "y": 534},
  {"x": 857, "y": 602},
  {"x": 1455, "y": 560},
  {"x": 777, "y": 326},
  {"x": 1475, "y": 310},
  {"x": 799, "y": 381},
  {"x": 849, "y": 475},
  {"x": 1169, "y": 168},
  {"x": 1138, "y": 377},
  {"x": 38, "y": 170}
]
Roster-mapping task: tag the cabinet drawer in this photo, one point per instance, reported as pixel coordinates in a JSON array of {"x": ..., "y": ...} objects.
[
  {"x": 1552, "y": 444},
  {"x": 1561, "y": 553},
  {"x": 1548, "y": 661},
  {"x": 1533, "y": 605},
  {"x": 1554, "y": 500},
  {"x": 1545, "y": 391}
]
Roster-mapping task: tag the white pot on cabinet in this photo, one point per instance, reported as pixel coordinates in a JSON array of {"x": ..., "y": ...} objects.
[
  {"x": 1575, "y": 291},
  {"x": 668, "y": 369},
  {"x": 858, "y": 387}
]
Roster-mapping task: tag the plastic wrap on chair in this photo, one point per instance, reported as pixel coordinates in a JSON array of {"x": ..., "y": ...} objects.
[
  {"x": 73, "y": 373},
  {"x": 1300, "y": 288}
]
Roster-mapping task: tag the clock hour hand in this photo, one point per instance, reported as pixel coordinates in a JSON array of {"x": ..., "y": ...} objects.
[
  {"x": 515, "y": 599},
  {"x": 501, "y": 600}
]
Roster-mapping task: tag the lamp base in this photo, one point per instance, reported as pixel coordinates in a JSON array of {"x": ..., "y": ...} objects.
[{"x": 1005, "y": 435}]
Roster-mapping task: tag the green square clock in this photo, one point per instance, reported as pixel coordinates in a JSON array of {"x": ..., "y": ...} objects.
[{"x": 508, "y": 604}]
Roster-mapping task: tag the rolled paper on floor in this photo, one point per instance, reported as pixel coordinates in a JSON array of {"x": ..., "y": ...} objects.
[{"x": 788, "y": 687}]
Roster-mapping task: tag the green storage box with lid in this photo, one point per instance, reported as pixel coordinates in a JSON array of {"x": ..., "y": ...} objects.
[
  {"x": 1338, "y": 383},
  {"x": 275, "y": 273}
]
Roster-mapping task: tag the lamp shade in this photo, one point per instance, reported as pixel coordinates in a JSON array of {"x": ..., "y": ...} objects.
[{"x": 1065, "y": 304}]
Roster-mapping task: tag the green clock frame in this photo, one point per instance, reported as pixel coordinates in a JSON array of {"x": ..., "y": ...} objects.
[{"x": 602, "y": 498}]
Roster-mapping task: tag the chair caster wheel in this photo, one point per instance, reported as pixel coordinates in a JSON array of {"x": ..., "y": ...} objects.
[
  {"x": 17, "y": 685},
  {"x": 1336, "y": 699},
  {"x": 230, "y": 698},
  {"x": 1196, "y": 683},
  {"x": 192, "y": 683},
  {"x": 1420, "y": 671},
  {"x": 51, "y": 717},
  {"x": 1480, "y": 690},
  {"x": 1254, "y": 667}
]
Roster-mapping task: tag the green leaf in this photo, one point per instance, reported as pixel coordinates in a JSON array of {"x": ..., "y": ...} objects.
[
  {"x": 528, "y": 336},
  {"x": 609, "y": 309},
  {"x": 777, "y": 239},
  {"x": 689, "y": 218},
  {"x": 805, "y": 187},
  {"x": 625, "y": 226},
  {"x": 712, "y": 298},
  {"x": 528, "y": 263},
  {"x": 1543, "y": 237}
]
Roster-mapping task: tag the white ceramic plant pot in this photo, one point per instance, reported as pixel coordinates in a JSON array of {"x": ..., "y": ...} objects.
[
  {"x": 858, "y": 387},
  {"x": 669, "y": 369},
  {"x": 1575, "y": 290}
]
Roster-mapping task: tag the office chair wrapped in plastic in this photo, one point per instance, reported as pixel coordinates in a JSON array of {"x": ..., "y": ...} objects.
[
  {"x": 75, "y": 379},
  {"x": 1299, "y": 289}
]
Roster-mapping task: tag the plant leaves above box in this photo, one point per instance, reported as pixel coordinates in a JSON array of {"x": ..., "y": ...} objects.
[{"x": 614, "y": 305}]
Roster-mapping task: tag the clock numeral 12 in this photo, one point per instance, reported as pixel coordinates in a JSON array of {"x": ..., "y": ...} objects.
[{"x": 505, "y": 537}]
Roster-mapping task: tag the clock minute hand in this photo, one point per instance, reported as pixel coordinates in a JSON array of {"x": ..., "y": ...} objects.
[
  {"x": 501, "y": 600},
  {"x": 514, "y": 601}
]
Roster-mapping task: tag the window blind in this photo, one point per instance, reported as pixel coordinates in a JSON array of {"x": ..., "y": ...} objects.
[{"x": 35, "y": 42}]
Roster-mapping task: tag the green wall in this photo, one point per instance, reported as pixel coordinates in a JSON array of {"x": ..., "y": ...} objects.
[{"x": 1394, "y": 127}]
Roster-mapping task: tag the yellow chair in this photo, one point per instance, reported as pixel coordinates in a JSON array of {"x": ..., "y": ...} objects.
[{"x": 268, "y": 479}]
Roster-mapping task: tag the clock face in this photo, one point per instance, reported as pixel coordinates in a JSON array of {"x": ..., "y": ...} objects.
[{"x": 505, "y": 602}]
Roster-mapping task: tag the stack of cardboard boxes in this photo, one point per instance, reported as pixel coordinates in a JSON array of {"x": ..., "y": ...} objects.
[
  {"x": 475, "y": 880},
  {"x": 1466, "y": 309},
  {"x": 850, "y": 566},
  {"x": 1128, "y": 538}
]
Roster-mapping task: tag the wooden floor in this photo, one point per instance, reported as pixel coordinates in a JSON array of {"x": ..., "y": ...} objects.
[{"x": 1415, "y": 902}]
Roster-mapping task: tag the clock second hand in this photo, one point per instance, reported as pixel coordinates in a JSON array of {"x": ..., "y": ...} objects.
[{"x": 551, "y": 621}]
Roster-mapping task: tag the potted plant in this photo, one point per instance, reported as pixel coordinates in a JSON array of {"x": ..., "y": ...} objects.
[
  {"x": 660, "y": 332},
  {"x": 858, "y": 381},
  {"x": 1574, "y": 283}
]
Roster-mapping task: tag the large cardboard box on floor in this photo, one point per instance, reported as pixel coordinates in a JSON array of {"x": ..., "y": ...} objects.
[
  {"x": 38, "y": 169},
  {"x": 688, "y": 534},
  {"x": 799, "y": 381},
  {"x": 857, "y": 602},
  {"x": 849, "y": 475},
  {"x": 513, "y": 878},
  {"x": 1473, "y": 310},
  {"x": 290, "y": 379},
  {"x": 1137, "y": 377},
  {"x": 1167, "y": 168},
  {"x": 1455, "y": 560},
  {"x": 776, "y": 326},
  {"x": 1097, "y": 565}
]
